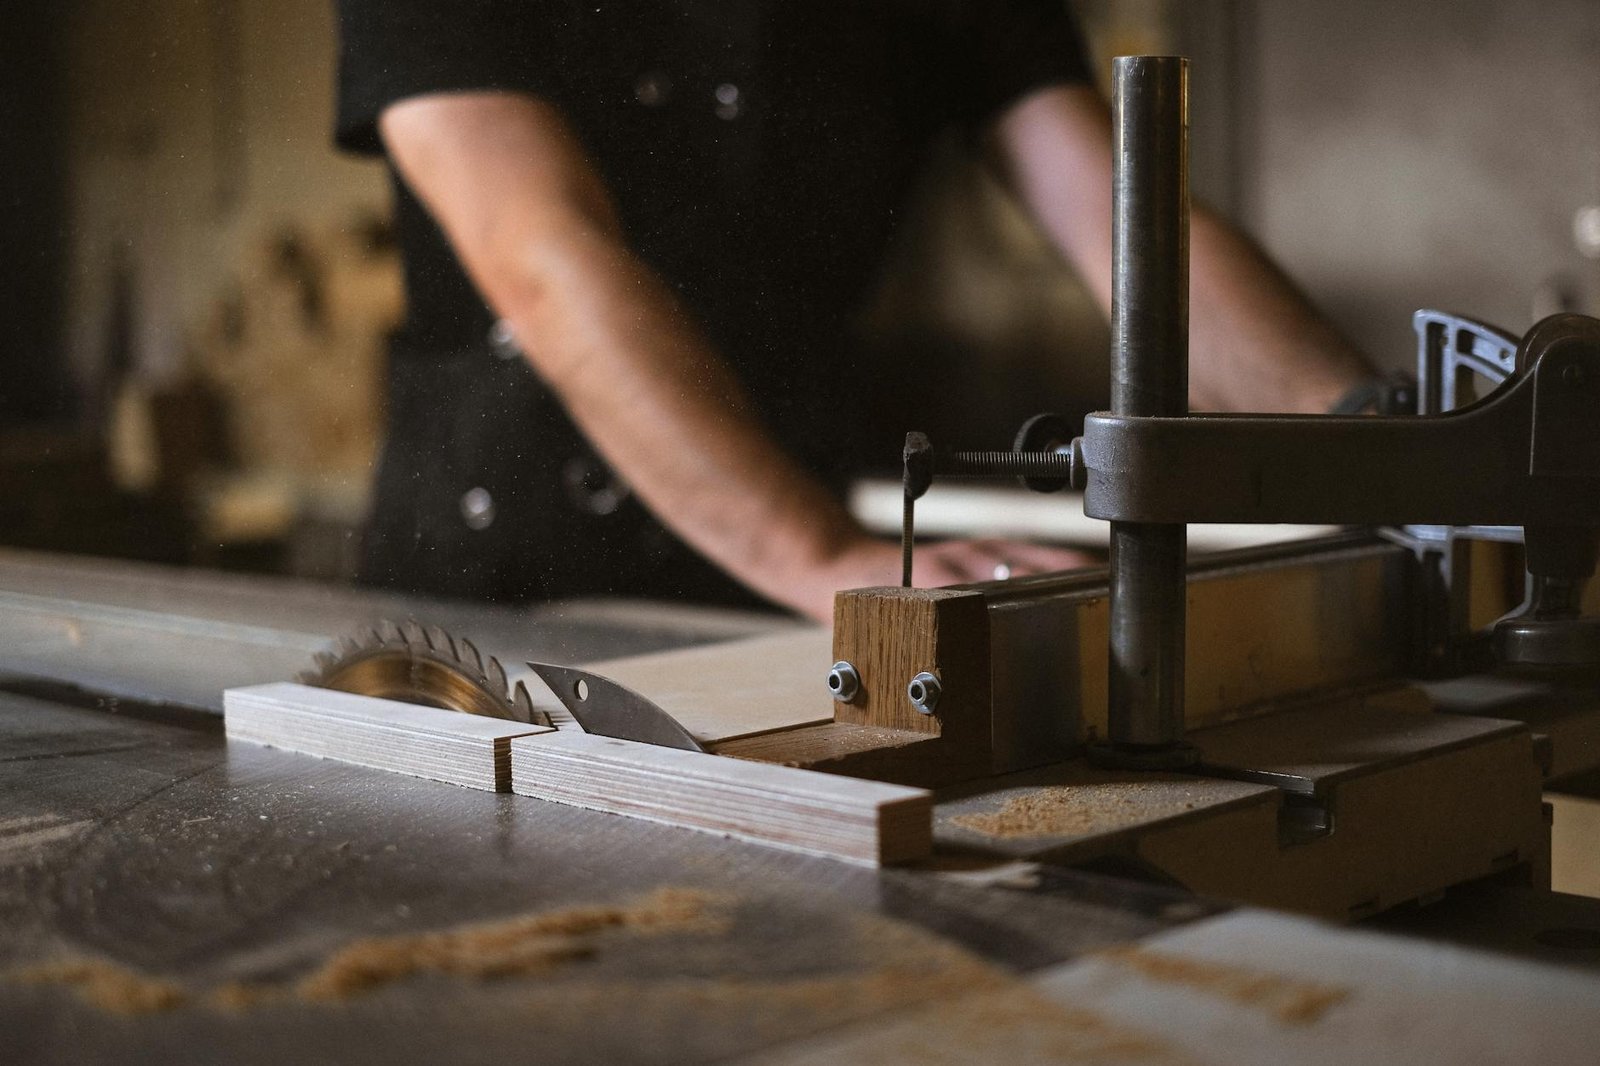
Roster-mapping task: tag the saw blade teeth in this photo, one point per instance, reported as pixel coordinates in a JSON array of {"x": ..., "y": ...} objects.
[
  {"x": 496, "y": 674},
  {"x": 468, "y": 654},
  {"x": 442, "y": 642},
  {"x": 522, "y": 703},
  {"x": 420, "y": 663}
]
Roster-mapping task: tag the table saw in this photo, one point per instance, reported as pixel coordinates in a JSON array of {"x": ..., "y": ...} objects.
[
  {"x": 134, "y": 835},
  {"x": 1279, "y": 802}
]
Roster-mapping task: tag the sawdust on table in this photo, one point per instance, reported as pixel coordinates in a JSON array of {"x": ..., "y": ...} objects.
[
  {"x": 958, "y": 1007},
  {"x": 1079, "y": 809},
  {"x": 514, "y": 947},
  {"x": 519, "y": 946},
  {"x": 1014, "y": 1024},
  {"x": 106, "y": 985},
  {"x": 1291, "y": 1000},
  {"x": 236, "y": 997},
  {"x": 913, "y": 985}
]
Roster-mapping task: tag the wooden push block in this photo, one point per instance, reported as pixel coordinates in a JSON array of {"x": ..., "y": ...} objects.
[
  {"x": 461, "y": 749},
  {"x": 840, "y": 817},
  {"x": 893, "y": 635}
]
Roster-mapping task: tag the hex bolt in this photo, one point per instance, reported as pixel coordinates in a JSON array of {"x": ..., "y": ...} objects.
[
  {"x": 843, "y": 681},
  {"x": 924, "y": 692}
]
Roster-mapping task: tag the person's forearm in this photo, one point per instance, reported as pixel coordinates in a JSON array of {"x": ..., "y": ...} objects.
[
  {"x": 1255, "y": 342},
  {"x": 532, "y": 223},
  {"x": 667, "y": 413}
]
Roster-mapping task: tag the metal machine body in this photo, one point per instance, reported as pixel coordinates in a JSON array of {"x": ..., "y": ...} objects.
[
  {"x": 1521, "y": 463},
  {"x": 1287, "y": 650}
]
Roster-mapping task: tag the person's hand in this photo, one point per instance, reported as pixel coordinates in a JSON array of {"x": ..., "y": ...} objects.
[
  {"x": 961, "y": 562},
  {"x": 871, "y": 561}
]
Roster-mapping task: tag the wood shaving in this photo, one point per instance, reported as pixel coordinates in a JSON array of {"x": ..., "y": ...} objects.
[
  {"x": 1291, "y": 1000},
  {"x": 106, "y": 985},
  {"x": 1079, "y": 809},
  {"x": 236, "y": 997},
  {"x": 514, "y": 947},
  {"x": 518, "y": 946}
]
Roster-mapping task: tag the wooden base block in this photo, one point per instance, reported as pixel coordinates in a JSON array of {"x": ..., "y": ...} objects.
[
  {"x": 461, "y": 749},
  {"x": 1341, "y": 810},
  {"x": 863, "y": 821}
]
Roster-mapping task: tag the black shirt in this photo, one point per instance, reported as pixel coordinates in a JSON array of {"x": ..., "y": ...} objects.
[{"x": 758, "y": 152}]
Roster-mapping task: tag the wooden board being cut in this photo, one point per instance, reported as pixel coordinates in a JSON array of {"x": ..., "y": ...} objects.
[
  {"x": 462, "y": 749},
  {"x": 841, "y": 817},
  {"x": 737, "y": 689}
]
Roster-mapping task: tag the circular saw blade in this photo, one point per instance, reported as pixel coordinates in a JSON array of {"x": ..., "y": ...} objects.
[{"x": 423, "y": 665}]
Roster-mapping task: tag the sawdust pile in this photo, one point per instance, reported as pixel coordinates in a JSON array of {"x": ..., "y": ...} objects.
[
  {"x": 924, "y": 996},
  {"x": 922, "y": 999},
  {"x": 1291, "y": 1000},
  {"x": 514, "y": 947},
  {"x": 106, "y": 985},
  {"x": 236, "y": 997},
  {"x": 1014, "y": 1024},
  {"x": 1079, "y": 809}
]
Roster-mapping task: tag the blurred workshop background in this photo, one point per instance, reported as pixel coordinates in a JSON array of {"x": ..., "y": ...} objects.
[{"x": 198, "y": 287}]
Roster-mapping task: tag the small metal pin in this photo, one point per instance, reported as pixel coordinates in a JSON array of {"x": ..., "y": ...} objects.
[{"x": 917, "y": 459}]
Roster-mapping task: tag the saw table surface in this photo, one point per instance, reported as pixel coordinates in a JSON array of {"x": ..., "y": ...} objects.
[
  {"x": 278, "y": 907},
  {"x": 137, "y": 840},
  {"x": 143, "y": 839}
]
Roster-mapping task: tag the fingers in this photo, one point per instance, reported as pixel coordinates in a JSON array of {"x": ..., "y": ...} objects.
[
  {"x": 965, "y": 562},
  {"x": 1025, "y": 558},
  {"x": 959, "y": 562},
  {"x": 936, "y": 571}
]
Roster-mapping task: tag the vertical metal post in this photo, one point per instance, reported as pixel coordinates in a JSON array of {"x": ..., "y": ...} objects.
[{"x": 1149, "y": 376}]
